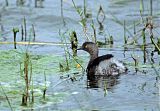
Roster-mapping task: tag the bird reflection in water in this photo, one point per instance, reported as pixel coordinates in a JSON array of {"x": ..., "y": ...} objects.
[{"x": 102, "y": 81}]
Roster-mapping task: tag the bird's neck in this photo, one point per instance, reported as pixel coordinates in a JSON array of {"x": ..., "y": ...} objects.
[{"x": 93, "y": 55}]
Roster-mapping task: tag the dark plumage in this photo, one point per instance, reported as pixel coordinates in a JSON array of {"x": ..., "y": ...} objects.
[{"x": 102, "y": 65}]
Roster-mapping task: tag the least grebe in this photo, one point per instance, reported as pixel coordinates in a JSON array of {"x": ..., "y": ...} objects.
[{"x": 102, "y": 65}]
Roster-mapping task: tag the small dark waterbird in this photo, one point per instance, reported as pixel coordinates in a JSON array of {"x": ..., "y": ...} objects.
[{"x": 105, "y": 65}]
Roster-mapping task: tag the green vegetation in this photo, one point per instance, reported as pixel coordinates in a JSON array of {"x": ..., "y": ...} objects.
[
  {"x": 20, "y": 68},
  {"x": 25, "y": 75}
]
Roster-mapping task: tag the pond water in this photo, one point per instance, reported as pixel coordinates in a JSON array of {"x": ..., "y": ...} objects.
[{"x": 70, "y": 90}]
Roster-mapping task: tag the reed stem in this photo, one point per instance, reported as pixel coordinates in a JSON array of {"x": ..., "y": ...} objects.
[
  {"x": 34, "y": 33},
  {"x": 125, "y": 38},
  {"x": 151, "y": 7},
  {"x": 84, "y": 8},
  {"x": 94, "y": 32},
  {"x": 45, "y": 87},
  {"x": 25, "y": 29},
  {"x": 9, "y": 103},
  {"x": 22, "y": 33},
  {"x": 64, "y": 23},
  {"x": 144, "y": 45},
  {"x": 15, "y": 31},
  {"x": 35, "y": 3},
  {"x": 74, "y": 43},
  {"x": 7, "y": 2}
]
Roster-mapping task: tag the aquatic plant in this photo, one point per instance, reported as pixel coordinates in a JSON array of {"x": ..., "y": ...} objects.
[
  {"x": 15, "y": 31},
  {"x": 100, "y": 18},
  {"x": 9, "y": 103},
  {"x": 94, "y": 32},
  {"x": 7, "y": 3},
  {"x": 140, "y": 37},
  {"x": 38, "y": 3},
  {"x": 65, "y": 47},
  {"x": 141, "y": 10},
  {"x": 157, "y": 45},
  {"x": 27, "y": 75},
  {"x": 144, "y": 45},
  {"x": 151, "y": 7},
  {"x": 111, "y": 40},
  {"x": 45, "y": 87},
  {"x": 84, "y": 8},
  {"x": 83, "y": 18},
  {"x": 64, "y": 23},
  {"x": 74, "y": 43},
  {"x": 22, "y": 33},
  {"x": 25, "y": 29},
  {"x": 105, "y": 88},
  {"x": 20, "y": 2},
  {"x": 34, "y": 33},
  {"x": 125, "y": 38},
  {"x": 135, "y": 62},
  {"x": 71, "y": 60}
]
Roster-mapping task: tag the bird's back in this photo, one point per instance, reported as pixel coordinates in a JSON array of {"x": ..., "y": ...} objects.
[{"x": 105, "y": 65}]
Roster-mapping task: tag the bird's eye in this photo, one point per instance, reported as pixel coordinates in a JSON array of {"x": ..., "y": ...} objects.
[{"x": 86, "y": 46}]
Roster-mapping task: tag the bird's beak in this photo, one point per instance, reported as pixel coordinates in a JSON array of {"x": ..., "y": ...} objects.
[{"x": 80, "y": 48}]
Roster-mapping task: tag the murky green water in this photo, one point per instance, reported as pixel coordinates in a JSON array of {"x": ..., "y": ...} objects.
[{"x": 70, "y": 90}]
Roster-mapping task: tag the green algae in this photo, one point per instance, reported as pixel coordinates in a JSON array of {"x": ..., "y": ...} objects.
[
  {"x": 40, "y": 103},
  {"x": 12, "y": 81},
  {"x": 10, "y": 64},
  {"x": 121, "y": 2}
]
